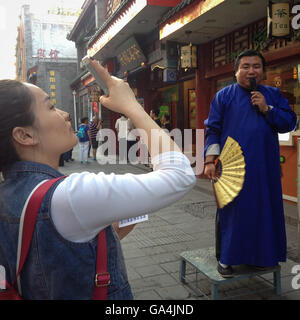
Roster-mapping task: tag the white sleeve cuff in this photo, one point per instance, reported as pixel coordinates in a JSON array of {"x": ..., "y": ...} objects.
[{"x": 213, "y": 150}]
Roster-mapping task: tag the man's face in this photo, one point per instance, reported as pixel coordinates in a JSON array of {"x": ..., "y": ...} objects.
[{"x": 249, "y": 67}]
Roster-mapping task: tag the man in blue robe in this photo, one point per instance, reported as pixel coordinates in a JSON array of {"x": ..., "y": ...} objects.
[{"x": 252, "y": 226}]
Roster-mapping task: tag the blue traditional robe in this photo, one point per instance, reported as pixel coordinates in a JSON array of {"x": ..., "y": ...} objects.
[{"x": 252, "y": 226}]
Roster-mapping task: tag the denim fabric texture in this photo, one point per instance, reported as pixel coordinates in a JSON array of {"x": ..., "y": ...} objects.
[{"x": 55, "y": 267}]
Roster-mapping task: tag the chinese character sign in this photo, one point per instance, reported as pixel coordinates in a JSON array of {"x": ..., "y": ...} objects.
[
  {"x": 54, "y": 54},
  {"x": 278, "y": 20},
  {"x": 52, "y": 86},
  {"x": 189, "y": 56},
  {"x": 49, "y": 40},
  {"x": 42, "y": 54},
  {"x": 130, "y": 55}
]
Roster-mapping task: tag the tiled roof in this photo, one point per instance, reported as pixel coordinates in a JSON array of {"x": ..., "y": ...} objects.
[
  {"x": 84, "y": 8},
  {"x": 174, "y": 10},
  {"x": 109, "y": 20},
  {"x": 78, "y": 77}
]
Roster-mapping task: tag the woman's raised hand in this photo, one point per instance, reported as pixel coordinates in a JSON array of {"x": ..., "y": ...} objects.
[{"x": 121, "y": 98}]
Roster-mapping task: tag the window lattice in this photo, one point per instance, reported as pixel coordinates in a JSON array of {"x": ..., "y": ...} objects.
[{"x": 112, "y": 6}]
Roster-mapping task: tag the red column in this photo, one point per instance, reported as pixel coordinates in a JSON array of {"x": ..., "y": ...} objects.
[
  {"x": 203, "y": 85},
  {"x": 203, "y": 89}
]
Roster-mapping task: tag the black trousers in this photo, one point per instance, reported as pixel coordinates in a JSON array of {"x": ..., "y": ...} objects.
[
  {"x": 217, "y": 237},
  {"x": 61, "y": 160}
]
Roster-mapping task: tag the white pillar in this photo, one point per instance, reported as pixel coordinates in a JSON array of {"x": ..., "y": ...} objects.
[{"x": 75, "y": 113}]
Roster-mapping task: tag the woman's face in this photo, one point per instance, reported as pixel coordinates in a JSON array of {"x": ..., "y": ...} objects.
[{"x": 53, "y": 128}]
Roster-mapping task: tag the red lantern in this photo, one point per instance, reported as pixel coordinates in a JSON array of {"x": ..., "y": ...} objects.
[{"x": 95, "y": 107}]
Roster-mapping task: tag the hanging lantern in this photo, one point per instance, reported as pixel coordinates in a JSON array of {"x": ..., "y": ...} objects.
[
  {"x": 95, "y": 107},
  {"x": 278, "y": 20},
  {"x": 188, "y": 56}
]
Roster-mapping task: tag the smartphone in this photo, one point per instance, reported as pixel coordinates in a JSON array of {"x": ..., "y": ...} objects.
[{"x": 100, "y": 82}]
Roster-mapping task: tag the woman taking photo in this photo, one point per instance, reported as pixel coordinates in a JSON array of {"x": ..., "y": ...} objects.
[{"x": 62, "y": 257}]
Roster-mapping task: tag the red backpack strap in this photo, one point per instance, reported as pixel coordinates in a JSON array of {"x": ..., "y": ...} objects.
[
  {"x": 27, "y": 222},
  {"x": 102, "y": 278}
]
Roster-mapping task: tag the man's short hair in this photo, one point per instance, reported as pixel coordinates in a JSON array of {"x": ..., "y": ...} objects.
[
  {"x": 84, "y": 119},
  {"x": 156, "y": 112},
  {"x": 249, "y": 53}
]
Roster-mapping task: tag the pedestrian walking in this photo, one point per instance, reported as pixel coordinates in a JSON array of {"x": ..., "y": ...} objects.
[
  {"x": 121, "y": 127},
  {"x": 131, "y": 141},
  {"x": 84, "y": 137},
  {"x": 94, "y": 128}
]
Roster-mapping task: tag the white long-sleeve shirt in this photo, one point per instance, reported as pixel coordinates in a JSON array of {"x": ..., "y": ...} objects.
[{"x": 85, "y": 203}]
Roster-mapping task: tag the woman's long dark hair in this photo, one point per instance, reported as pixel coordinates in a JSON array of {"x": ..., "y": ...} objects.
[{"x": 16, "y": 102}]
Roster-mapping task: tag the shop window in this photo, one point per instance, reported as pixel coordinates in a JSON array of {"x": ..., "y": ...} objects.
[{"x": 287, "y": 79}]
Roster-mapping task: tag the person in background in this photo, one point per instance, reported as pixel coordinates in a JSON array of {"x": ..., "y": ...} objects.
[
  {"x": 154, "y": 113},
  {"x": 121, "y": 127},
  {"x": 68, "y": 156},
  {"x": 84, "y": 137},
  {"x": 94, "y": 128},
  {"x": 165, "y": 120},
  {"x": 131, "y": 140}
]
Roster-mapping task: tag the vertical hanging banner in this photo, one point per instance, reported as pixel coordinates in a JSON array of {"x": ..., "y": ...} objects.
[
  {"x": 52, "y": 86},
  {"x": 278, "y": 20}
]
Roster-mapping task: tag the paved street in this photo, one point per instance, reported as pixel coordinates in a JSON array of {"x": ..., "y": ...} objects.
[{"x": 152, "y": 250}]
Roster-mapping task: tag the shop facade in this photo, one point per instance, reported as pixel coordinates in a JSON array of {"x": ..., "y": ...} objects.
[{"x": 215, "y": 70}]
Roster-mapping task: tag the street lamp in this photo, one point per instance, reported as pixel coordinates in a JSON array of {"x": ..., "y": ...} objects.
[{"x": 75, "y": 113}]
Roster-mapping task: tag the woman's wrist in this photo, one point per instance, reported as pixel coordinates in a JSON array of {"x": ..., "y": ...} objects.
[{"x": 209, "y": 162}]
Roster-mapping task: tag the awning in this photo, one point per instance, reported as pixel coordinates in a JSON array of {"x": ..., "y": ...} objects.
[
  {"x": 133, "y": 17},
  {"x": 201, "y": 21}
]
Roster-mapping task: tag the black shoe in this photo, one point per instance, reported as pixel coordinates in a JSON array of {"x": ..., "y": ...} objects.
[
  {"x": 225, "y": 272},
  {"x": 261, "y": 268}
]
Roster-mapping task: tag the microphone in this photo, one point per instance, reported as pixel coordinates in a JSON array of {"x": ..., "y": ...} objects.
[{"x": 253, "y": 87}]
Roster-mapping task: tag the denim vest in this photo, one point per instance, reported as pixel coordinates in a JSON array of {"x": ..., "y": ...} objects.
[{"x": 55, "y": 267}]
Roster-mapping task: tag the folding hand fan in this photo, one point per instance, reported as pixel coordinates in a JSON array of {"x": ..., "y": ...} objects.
[{"x": 230, "y": 172}]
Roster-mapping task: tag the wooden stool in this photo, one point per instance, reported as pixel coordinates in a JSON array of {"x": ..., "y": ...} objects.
[{"x": 204, "y": 261}]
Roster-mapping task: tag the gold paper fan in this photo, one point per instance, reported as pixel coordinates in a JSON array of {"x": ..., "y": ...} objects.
[{"x": 230, "y": 173}]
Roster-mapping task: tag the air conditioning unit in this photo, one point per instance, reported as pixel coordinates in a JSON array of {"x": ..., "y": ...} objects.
[{"x": 170, "y": 75}]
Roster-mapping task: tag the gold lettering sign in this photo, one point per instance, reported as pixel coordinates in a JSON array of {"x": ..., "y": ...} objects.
[
  {"x": 279, "y": 20},
  {"x": 129, "y": 55}
]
